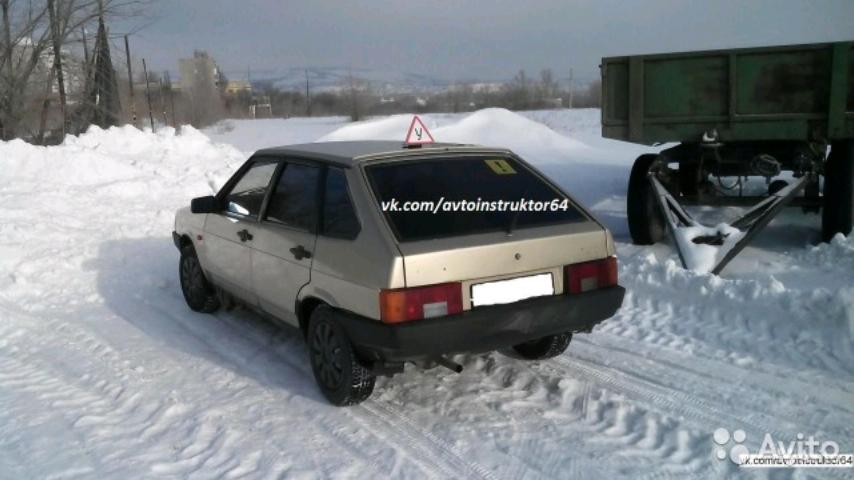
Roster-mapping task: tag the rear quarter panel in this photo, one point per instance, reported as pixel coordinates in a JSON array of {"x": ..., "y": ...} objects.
[{"x": 349, "y": 274}]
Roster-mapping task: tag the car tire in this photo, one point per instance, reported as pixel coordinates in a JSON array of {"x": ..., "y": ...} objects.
[
  {"x": 646, "y": 223},
  {"x": 546, "y": 347},
  {"x": 199, "y": 294},
  {"x": 342, "y": 379},
  {"x": 838, "y": 205}
]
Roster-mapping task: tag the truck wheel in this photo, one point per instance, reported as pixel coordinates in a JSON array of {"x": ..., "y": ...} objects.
[
  {"x": 199, "y": 294},
  {"x": 689, "y": 178},
  {"x": 337, "y": 371},
  {"x": 646, "y": 223},
  {"x": 838, "y": 206},
  {"x": 546, "y": 347}
]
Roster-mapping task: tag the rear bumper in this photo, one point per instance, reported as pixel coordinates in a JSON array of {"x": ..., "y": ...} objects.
[{"x": 482, "y": 329}]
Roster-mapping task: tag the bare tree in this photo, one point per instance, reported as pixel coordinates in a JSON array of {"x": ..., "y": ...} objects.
[
  {"x": 460, "y": 96},
  {"x": 548, "y": 85},
  {"x": 590, "y": 97},
  {"x": 357, "y": 92},
  {"x": 30, "y": 33},
  {"x": 518, "y": 92}
]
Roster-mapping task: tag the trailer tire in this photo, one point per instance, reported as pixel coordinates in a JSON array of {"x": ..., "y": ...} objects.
[
  {"x": 646, "y": 223},
  {"x": 838, "y": 205}
]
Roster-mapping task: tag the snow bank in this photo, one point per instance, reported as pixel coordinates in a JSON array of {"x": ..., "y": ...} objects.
[
  {"x": 119, "y": 154},
  {"x": 250, "y": 135},
  {"x": 489, "y": 127},
  {"x": 63, "y": 167}
]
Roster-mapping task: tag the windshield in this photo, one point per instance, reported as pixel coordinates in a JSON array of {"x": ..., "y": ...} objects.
[{"x": 446, "y": 197}]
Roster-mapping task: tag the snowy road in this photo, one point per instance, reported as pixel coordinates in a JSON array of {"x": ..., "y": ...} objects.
[{"x": 105, "y": 373}]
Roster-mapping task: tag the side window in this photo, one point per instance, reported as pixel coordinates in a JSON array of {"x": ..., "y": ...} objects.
[
  {"x": 339, "y": 217},
  {"x": 294, "y": 199},
  {"x": 246, "y": 196}
]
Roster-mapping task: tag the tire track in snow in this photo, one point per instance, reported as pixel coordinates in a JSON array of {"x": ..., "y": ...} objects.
[
  {"x": 599, "y": 425},
  {"x": 716, "y": 370},
  {"x": 119, "y": 426},
  {"x": 439, "y": 451},
  {"x": 422, "y": 447},
  {"x": 716, "y": 314},
  {"x": 692, "y": 404}
]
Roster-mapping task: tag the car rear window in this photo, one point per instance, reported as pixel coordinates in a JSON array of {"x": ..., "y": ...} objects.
[{"x": 423, "y": 199}]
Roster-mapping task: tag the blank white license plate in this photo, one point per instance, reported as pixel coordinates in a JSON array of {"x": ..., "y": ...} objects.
[{"x": 511, "y": 290}]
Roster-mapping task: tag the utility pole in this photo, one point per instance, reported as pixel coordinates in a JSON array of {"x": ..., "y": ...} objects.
[
  {"x": 87, "y": 61},
  {"x": 130, "y": 82},
  {"x": 571, "y": 87},
  {"x": 57, "y": 62},
  {"x": 307, "y": 95},
  {"x": 148, "y": 94},
  {"x": 171, "y": 98},
  {"x": 163, "y": 103}
]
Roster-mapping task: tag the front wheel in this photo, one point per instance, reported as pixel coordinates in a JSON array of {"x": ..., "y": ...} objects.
[
  {"x": 342, "y": 379},
  {"x": 546, "y": 347},
  {"x": 199, "y": 294}
]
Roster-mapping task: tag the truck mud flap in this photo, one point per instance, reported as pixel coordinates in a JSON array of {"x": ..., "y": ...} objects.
[{"x": 728, "y": 240}]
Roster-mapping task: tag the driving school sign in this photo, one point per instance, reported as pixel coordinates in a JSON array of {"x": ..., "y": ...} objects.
[{"x": 418, "y": 133}]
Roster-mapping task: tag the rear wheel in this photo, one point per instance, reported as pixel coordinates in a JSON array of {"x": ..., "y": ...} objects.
[
  {"x": 646, "y": 223},
  {"x": 199, "y": 294},
  {"x": 337, "y": 371},
  {"x": 838, "y": 206},
  {"x": 546, "y": 347}
]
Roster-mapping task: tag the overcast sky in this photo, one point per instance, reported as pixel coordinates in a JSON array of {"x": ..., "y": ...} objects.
[{"x": 469, "y": 39}]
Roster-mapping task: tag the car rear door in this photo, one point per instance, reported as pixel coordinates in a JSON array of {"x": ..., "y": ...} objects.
[
  {"x": 283, "y": 247},
  {"x": 229, "y": 233}
]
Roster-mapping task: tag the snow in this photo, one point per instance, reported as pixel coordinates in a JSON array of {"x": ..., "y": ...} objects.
[
  {"x": 105, "y": 373},
  {"x": 702, "y": 257}
]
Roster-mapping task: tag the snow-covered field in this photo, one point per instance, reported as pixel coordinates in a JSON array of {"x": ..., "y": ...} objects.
[{"x": 105, "y": 373}]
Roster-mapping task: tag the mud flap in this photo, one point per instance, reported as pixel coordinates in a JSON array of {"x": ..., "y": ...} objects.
[{"x": 727, "y": 240}]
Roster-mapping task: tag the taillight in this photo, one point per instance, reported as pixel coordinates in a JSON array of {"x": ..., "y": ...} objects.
[
  {"x": 583, "y": 277},
  {"x": 406, "y": 304}
]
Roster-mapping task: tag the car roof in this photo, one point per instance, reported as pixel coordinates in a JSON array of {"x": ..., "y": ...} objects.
[{"x": 350, "y": 153}]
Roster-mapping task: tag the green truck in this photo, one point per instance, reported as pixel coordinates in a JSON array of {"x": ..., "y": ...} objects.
[{"x": 772, "y": 112}]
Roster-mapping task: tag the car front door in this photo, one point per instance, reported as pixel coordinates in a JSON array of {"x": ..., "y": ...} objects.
[
  {"x": 283, "y": 247},
  {"x": 229, "y": 233}
]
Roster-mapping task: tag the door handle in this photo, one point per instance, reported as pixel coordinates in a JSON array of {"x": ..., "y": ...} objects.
[
  {"x": 300, "y": 252},
  {"x": 244, "y": 235}
]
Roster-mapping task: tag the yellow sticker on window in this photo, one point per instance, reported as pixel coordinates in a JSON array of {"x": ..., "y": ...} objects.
[{"x": 500, "y": 166}]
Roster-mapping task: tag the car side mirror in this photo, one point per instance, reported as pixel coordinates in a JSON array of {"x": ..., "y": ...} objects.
[{"x": 204, "y": 205}]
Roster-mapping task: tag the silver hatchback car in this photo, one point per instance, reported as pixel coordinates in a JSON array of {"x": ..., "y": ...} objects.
[{"x": 382, "y": 254}]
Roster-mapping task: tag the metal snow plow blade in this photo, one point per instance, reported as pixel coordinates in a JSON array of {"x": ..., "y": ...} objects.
[{"x": 710, "y": 249}]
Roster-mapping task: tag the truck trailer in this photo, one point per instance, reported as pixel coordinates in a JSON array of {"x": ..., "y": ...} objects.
[{"x": 783, "y": 113}]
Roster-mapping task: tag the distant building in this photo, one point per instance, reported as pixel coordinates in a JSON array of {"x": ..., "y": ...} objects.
[
  {"x": 493, "y": 87},
  {"x": 202, "y": 82},
  {"x": 553, "y": 102},
  {"x": 73, "y": 69},
  {"x": 234, "y": 87},
  {"x": 201, "y": 71}
]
